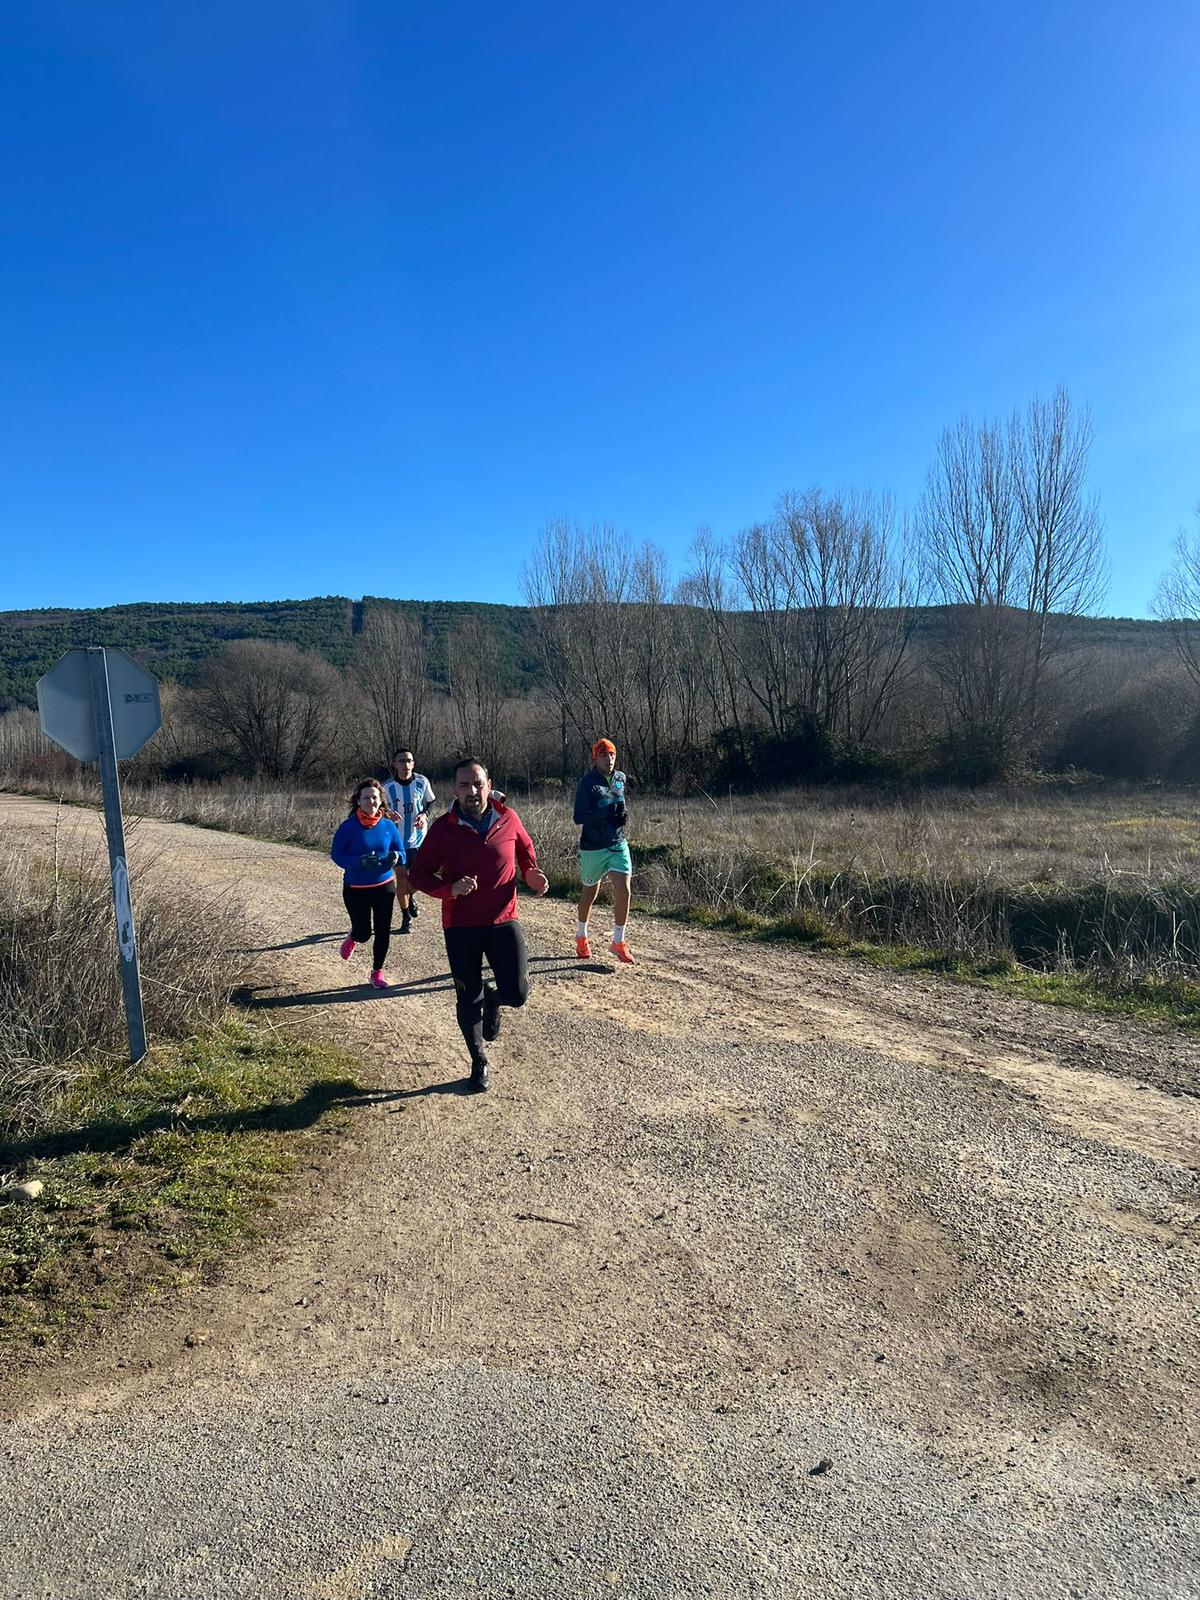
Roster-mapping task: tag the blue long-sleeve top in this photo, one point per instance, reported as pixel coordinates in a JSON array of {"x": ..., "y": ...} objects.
[
  {"x": 595, "y": 801},
  {"x": 352, "y": 841}
]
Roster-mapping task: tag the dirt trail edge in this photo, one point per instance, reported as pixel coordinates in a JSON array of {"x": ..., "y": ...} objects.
[{"x": 757, "y": 1274}]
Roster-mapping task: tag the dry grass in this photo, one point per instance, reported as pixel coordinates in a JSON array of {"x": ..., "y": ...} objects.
[
  {"x": 149, "y": 1173},
  {"x": 60, "y": 990},
  {"x": 1059, "y": 880}
]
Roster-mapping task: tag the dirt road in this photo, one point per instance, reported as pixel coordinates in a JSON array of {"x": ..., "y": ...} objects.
[{"x": 756, "y": 1274}]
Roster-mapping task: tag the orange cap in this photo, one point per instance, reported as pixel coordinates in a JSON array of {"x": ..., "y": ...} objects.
[{"x": 603, "y": 744}]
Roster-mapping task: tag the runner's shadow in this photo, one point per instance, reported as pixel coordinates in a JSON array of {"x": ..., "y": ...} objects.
[
  {"x": 435, "y": 984},
  {"x": 294, "y": 944},
  {"x": 248, "y": 997},
  {"x": 111, "y": 1137},
  {"x": 456, "y": 1086},
  {"x": 351, "y": 994},
  {"x": 544, "y": 968}
]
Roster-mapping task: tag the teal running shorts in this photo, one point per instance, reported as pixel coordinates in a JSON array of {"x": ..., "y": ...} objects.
[{"x": 596, "y": 864}]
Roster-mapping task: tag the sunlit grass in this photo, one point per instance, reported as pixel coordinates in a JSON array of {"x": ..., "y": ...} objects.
[
  {"x": 1096, "y": 888},
  {"x": 151, "y": 1173}
]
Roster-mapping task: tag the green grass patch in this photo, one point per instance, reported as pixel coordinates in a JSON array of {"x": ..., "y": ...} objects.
[
  {"x": 1173, "y": 1002},
  {"x": 152, "y": 1173}
]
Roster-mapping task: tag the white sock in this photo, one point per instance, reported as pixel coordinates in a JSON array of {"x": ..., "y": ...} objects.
[
  {"x": 581, "y": 931},
  {"x": 618, "y": 933}
]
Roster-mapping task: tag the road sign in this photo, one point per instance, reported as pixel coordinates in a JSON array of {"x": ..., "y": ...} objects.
[
  {"x": 99, "y": 705},
  {"x": 64, "y": 697}
]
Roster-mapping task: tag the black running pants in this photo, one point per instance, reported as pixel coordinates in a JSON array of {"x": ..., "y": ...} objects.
[
  {"x": 504, "y": 947},
  {"x": 372, "y": 905}
]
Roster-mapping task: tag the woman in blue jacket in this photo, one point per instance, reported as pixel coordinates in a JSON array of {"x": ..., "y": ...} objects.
[{"x": 368, "y": 848}]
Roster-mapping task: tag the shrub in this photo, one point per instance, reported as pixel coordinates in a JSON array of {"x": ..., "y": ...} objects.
[{"x": 60, "y": 986}]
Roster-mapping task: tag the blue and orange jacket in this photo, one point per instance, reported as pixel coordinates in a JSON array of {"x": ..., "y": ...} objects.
[
  {"x": 453, "y": 850},
  {"x": 596, "y": 800},
  {"x": 353, "y": 840}
]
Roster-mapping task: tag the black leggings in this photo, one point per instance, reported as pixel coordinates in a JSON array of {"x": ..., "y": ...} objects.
[
  {"x": 504, "y": 946},
  {"x": 365, "y": 905}
]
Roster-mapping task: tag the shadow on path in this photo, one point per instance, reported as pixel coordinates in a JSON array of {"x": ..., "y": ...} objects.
[
  {"x": 456, "y": 1086},
  {"x": 113, "y": 1138},
  {"x": 543, "y": 967},
  {"x": 249, "y": 997},
  {"x": 279, "y": 1116},
  {"x": 295, "y": 944},
  {"x": 252, "y": 999}
]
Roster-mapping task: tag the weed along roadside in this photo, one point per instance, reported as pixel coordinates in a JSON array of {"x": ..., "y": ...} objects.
[
  {"x": 1150, "y": 990},
  {"x": 1074, "y": 897},
  {"x": 120, "y": 1181}
]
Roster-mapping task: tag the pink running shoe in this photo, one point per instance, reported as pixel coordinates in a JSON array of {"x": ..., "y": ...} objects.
[
  {"x": 582, "y": 948},
  {"x": 347, "y": 948},
  {"x": 621, "y": 951},
  {"x": 378, "y": 980}
]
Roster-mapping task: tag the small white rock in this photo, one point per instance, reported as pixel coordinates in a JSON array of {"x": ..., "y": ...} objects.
[{"x": 27, "y": 1191}]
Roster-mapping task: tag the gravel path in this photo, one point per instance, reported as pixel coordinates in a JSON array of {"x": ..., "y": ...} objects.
[{"x": 757, "y": 1274}]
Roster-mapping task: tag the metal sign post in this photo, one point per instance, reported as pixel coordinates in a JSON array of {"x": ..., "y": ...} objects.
[
  {"x": 114, "y": 823},
  {"x": 99, "y": 705}
]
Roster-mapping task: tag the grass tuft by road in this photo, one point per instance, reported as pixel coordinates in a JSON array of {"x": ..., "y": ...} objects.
[
  {"x": 151, "y": 1173},
  {"x": 1087, "y": 900},
  {"x": 1166, "y": 1001}
]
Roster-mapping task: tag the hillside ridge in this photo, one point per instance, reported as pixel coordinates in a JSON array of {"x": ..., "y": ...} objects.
[{"x": 174, "y": 638}]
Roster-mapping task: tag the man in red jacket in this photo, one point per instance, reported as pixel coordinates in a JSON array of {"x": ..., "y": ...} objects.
[{"x": 469, "y": 861}]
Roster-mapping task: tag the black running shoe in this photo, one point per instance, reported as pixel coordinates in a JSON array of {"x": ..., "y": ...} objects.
[
  {"x": 481, "y": 1078},
  {"x": 405, "y": 924},
  {"x": 491, "y": 1013}
]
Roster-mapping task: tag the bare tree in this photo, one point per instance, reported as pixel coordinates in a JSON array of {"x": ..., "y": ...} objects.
[
  {"x": 605, "y": 626},
  {"x": 855, "y": 616},
  {"x": 270, "y": 708},
  {"x": 611, "y": 640},
  {"x": 1177, "y": 600},
  {"x": 826, "y": 618},
  {"x": 1065, "y": 559},
  {"x": 714, "y": 631},
  {"x": 652, "y": 648},
  {"x": 580, "y": 584},
  {"x": 555, "y": 583},
  {"x": 1015, "y": 548},
  {"x": 973, "y": 547},
  {"x": 475, "y": 682},
  {"x": 391, "y": 667}
]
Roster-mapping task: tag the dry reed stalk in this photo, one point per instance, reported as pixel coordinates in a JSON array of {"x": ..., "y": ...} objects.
[{"x": 60, "y": 991}]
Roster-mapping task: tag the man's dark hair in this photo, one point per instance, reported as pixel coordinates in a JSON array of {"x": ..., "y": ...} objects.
[
  {"x": 471, "y": 761},
  {"x": 402, "y": 750}
]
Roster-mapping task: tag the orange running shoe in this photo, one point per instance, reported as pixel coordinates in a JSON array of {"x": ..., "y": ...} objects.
[
  {"x": 621, "y": 951},
  {"x": 582, "y": 948}
]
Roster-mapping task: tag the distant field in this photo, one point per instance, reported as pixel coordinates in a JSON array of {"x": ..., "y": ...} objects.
[{"x": 1056, "y": 881}]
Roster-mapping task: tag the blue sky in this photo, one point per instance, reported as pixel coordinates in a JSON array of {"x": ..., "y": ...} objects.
[{"x": 305, "y": 298}]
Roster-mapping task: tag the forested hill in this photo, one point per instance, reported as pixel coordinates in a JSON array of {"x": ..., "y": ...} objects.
[{"x": 175, "y": 639}]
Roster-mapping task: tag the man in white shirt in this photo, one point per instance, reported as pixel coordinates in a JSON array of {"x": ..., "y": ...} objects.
[{"x": 410, "y": 798}]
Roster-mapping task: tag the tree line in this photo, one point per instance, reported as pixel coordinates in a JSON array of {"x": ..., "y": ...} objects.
[{"x": 837, "y": 639}]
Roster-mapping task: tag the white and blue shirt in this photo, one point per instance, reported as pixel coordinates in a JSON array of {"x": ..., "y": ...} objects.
[{"x": 410, "y": 801}]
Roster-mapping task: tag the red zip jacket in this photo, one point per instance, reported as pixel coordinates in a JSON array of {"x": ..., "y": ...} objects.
[{"x": 453, "y": 850}]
